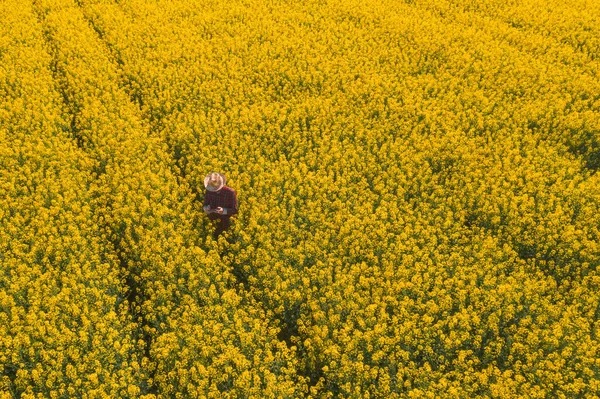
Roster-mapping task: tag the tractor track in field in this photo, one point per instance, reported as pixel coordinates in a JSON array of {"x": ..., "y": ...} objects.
[
  {"x": 134, "y": 294},
  {"x": 289, "y": 327}
]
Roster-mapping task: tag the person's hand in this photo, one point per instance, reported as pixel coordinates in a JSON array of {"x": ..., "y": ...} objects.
[
  {"x": 219, "y": 210},
  {"x": 207, "y": 209}
]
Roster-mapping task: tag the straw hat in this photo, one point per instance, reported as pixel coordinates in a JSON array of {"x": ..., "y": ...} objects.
[{"x": 214, "y": 181}]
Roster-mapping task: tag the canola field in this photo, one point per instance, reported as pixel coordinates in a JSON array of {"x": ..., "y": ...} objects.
[{"x": 418, "y": 188}]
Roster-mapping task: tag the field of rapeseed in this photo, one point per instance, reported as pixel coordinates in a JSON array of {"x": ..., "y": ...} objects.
[{"x": 418, "y": 189}]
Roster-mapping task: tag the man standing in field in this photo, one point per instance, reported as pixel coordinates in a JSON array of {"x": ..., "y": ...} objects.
[{"x": 220, "y": 201}]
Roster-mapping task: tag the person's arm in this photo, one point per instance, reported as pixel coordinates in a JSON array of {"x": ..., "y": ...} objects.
[
  {"x": 206, "y": 204},
  {"x": 233, "y": 208}
]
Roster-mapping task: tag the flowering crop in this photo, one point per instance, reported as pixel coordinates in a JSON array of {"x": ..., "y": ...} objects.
[
  {"x": 63, "y": 328},
  {"x": 418, "y": 187}
]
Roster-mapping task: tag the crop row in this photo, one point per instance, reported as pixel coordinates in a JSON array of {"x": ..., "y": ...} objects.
[{"x": 64, "y": 326}]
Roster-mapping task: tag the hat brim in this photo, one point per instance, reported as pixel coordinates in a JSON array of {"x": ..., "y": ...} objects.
[{"x": 212, "y": 188}]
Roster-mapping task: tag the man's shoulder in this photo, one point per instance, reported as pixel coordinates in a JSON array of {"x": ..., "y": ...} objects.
[{"x": 228, "y": 189}]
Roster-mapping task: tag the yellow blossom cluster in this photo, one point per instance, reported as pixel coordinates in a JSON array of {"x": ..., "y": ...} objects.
[
  {"x": 63, "y": 328},
  {"x": 418, "y": 187}
]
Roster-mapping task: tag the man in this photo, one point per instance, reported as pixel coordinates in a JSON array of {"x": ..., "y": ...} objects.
[{"x": 220, "y": 201}]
